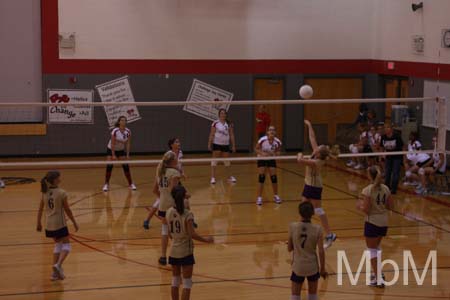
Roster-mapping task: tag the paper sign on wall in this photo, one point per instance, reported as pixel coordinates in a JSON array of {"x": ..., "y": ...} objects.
[
  {"x": 70, "y": 114},
  {"x": 201, "y": 92},
  {"x": 118, "y": 90}
]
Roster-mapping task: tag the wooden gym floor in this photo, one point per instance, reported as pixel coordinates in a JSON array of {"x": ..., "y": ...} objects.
[{"x": 113, "y": 257}]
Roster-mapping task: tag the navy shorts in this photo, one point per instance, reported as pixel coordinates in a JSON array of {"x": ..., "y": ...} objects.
[
  {"x": 299, "y": 279},
  {"x": 312, "y": 192},
  {"x": 371, "y": 230},
  {"x": 421, "y": 164},
  {"x": 162, "y": 214},
  {"x": 221, "y": 148},
  {"x": 117, "y": 153},
  {"x": 267, "y": 163},
  {"x": 185, "y": 261},
  {"x": 57, "y": 234}
]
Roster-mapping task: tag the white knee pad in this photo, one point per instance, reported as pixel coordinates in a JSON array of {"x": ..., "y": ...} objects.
[
  {"x": 57, "y": 249},
  {"x": 176, "y": 280},
  {"x": 373, "y": 252},
  {"x": 421, "y": 171},
  {"x": 66, "y": 247},
  {"x": 227, "y": 163},
  {"x": 408, "y": 174},
  {"x": 156, "y": 204},
  {"x": 214, "y": 163},
  {"x": 319, "y": 211},
  {"x": 164, "y": 229},
  {"x": 187, "y": 283}
]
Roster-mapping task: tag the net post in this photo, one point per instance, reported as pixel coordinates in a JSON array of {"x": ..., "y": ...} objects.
[{"x": 442, "y": 124}]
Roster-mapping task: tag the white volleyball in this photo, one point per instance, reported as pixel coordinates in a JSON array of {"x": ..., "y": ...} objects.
[{"x": 306, "y": 91}]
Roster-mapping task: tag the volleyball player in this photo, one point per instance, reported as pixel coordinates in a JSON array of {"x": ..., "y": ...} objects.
[
  {"x": 413, "y": 161},
  {"x": 182, "y": 232},
  {"x": 438, "y": 167},
  {"x": 54, "y": 201},
  {"x": 312, "y": 191},
  {"x": 221, "y": 142},
  {"x": 305, "y": 240},
  {"x": 174, "y": 146},
  {"x": 167, "y": 177},
  {"x": 375, "y": 202},
  {"x": 268, "y": 145},
  {"x": 118, "y": 148}
]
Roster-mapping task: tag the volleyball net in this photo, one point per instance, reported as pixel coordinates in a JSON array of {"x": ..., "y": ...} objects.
[{"x": 338, "y": 123}]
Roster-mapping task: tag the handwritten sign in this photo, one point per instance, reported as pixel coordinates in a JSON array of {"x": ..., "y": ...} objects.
[
  {"x": 70, "y": 114},
  {"x": 118, "y": 90},
  {"x": 200, "y": 92}
]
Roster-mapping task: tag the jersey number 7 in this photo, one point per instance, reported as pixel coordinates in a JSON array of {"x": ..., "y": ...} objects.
[{"x": 303, "y": 238}]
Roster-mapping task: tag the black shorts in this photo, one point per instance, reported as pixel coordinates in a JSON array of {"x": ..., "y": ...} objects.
[
  {"x": 221, "y": 148},
  {"x": 371, "y": 230},
  {"x": 57, "y": 234},
  {"x": 267, "y": 163},
  {"x": 185, "y": 261},
  {"x": 312, "y": 192},
  {"x": 117, "y": 153},
  {"x": 367, "y": 149},
  {"x": 421, "y": 164},
  {"x": 299, "y": 279},
  {"x": 162, "y": 214}
]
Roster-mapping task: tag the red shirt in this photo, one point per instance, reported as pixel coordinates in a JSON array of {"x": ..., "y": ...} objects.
[{"x": 262, "y": 122}]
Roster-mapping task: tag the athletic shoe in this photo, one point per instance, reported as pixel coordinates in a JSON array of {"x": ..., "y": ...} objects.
[
  {"x": 58, "y": 270},
  {"x": 358, "y": 167},
  {"x": 106, "y": 187},
  {"x": 350, "y": 163},
  {"x": 162, "y": 261},
  {"x": 259, "y": 201},
  {"x": 133, "y": 187},
  {"x": 409, "y": 183},
  {"x": 277, "y": 199},
  {"x": 213, "y": 180},
  {"x": 421, "y": 191},
  {"x": 329, "y": 239},
  {"x": 375, "y": 283},
  {"x": 232, "y": 179},
  {"x": 2, "y": 184},
  {"x": 146, "y": 224},
  {"x": 54, "y": 277}
]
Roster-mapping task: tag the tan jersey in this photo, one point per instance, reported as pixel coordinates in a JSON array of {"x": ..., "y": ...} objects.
[
  {"x": 166, "y": 200},
  {"x": 182, "y": 244},
  {"x": 312, "y": 175},
  {"x": 378, "y": 213},
  {"x": 305, "y": 237},
  {"x": 54, "y": 208}
]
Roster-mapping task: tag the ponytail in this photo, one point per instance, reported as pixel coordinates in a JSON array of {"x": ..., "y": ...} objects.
[
  {"x": 48, "y": 180},
  {"x": 168, "y": 157},
  {"x": 179, "y": 194}
]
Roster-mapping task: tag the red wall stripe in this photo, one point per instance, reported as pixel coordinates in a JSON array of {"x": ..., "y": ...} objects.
[{"x": 51, "y": 64}]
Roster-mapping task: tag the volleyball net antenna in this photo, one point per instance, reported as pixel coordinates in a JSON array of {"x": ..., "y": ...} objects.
[{"x": 407, "y": 116}]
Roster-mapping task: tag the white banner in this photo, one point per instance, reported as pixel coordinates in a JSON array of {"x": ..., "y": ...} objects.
[
  {"x": 430, "y": 108},
  {"x": 70, "y": 114},
  {"x": 201, "y": 92},
  {"x": 118, "y": 90}
]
